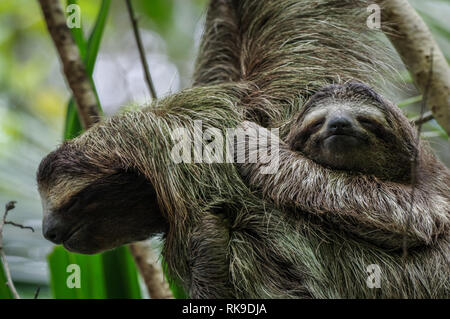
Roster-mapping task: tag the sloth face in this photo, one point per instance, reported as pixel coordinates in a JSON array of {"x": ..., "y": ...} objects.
[
  {"x": 351, "y": 128},
  {"x": 341, "y": 135},
  {"x": 88, "y": 209}
]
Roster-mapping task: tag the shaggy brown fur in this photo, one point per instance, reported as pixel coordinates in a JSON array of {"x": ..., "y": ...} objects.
[
  {"x": 260, "y": 60},
  {"x": 351, "y": 127},
  {"x": 376, "y": 210}
]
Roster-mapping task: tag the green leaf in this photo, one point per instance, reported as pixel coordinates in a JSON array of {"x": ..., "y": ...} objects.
[
  {"x": 410, "y": 101},
  {"x": 92, "y": 284},
  {"x": 121, "y": 277},
  {"x": 77, "y": 34},
  {"x": 5, "y": 292},
  {"x": 58, "y": 261},
  {"x": 73, "y": 124},
  {"x": 112, "y": 274},
  {"x": 95, "y": 38},
  {"x": 177, "y": 291},
  {"x": 89, "y": 52}
]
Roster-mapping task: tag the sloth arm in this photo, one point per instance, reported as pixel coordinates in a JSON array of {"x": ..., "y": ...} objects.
[
  {"x": 378, "y": 211},
  {"x": 140, "y": 141},
  {"x": 209, "y": 258}
]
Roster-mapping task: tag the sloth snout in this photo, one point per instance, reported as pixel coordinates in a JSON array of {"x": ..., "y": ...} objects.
[
  {"x": 339, "y": 123},
  {"x": 52, "y": 229}
]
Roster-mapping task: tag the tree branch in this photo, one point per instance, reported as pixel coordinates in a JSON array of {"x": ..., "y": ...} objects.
[
  {"x": 86, "y": 101},
  {"x": 414, "y": 42},
  {"x": 419, "y": 120},
  {"x": 73, "y": 65},
  {"x": 158, "y": 288},
  {"x": 137, "y": 36}
]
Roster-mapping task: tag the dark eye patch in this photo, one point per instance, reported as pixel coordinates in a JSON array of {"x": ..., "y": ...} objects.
[
  {"x": 313, "y": 127},
  {"x": 298, "y": 140},
  {"x": 71, "y": 206},
  {"x": 380, "y": 130},
  {"x": 367, "y": 121}
]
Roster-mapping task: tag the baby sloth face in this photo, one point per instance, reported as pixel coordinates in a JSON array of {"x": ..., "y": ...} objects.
[
  {"x": 351, "y": 128},
  {"x": 340, "y": 134}
]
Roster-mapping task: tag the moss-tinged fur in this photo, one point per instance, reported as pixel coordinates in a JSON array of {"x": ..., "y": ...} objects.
[
  {"x": 234, "y": 237},
  {"x": 287, "y": 50}
]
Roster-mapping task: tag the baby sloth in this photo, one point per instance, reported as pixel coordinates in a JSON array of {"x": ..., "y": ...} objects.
[
  {"x": 351, "y": 127},
  {"x": 347, "y": 160}
]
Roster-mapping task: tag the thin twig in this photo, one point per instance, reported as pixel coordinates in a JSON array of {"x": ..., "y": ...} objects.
[
  {"x": 36, "y": 294},
  {"x": 137, "y": 36},
  {"x": 148, "y": 269},
  {"x": 9, "y": 206},
  {"x": 415, "y": 160},
  {"x": 20, "y": 226},
  {"x": 421, "y": 119}
]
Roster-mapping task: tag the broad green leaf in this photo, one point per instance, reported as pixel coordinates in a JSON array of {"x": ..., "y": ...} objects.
[
  {"x": 58, "y": 261},
  {"x": 92, "y": 285},
  {"x": 95, "y": 37},
  {"x": 121, "y": 277}
]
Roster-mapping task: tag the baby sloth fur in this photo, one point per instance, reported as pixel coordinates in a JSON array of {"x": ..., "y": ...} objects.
[{"x": 351, "y": 127}]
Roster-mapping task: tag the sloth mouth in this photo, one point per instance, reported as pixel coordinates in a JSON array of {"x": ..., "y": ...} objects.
[
  {"x": 343, "y": 143},
  {"x": 341, "y": 136},
  {"x": 345, "y": 135},
  {"x": 71, "y": 234}
]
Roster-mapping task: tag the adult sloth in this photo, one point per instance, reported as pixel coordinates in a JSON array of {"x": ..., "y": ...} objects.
[{"x": 259, "y": 61}]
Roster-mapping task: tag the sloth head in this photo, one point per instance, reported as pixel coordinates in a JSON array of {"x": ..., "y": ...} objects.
[
  {"x": 350, "y": 127},
  {"x": 91, "y": 206}
]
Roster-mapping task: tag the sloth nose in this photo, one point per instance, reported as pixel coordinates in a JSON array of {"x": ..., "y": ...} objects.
[
  {"x": 52, "y": 230},
  {"x": 339, "y": 123}
]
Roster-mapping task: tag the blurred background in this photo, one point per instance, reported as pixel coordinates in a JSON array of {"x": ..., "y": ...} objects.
[{"x": 34, "y": 97}]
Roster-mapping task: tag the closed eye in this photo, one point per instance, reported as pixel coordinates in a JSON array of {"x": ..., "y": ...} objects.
[
  {"x": 72, "y": 205},
  {"x": 368, "y": 122},
  {"x": 316, "y": 125},
  {"x": 378, "y": 129}
]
